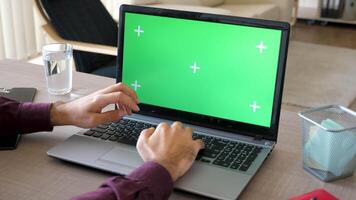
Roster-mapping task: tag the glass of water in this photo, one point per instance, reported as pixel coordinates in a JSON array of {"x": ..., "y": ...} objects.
[{"x": 58, "y": 67}]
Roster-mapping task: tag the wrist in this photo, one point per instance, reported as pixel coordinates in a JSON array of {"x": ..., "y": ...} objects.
[
  {"x": 172, "y": 169},
  {"x": 58, "y": 114}
]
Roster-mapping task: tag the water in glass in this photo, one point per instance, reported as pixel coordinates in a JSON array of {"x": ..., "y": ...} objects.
[{"x": 58, "y": 69}]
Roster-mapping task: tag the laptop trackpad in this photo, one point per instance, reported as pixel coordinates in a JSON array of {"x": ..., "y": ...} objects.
[{"x": 122, "y": 156}]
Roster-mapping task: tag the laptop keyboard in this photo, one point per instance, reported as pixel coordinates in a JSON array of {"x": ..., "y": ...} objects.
[{"x": 218, "y": 151}]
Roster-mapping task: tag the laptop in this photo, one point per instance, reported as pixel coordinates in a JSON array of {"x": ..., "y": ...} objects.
[{"x": 221, "y": 75}]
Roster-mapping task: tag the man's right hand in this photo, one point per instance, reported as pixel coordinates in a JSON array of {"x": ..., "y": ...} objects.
[{"x": 170, "y": 146}]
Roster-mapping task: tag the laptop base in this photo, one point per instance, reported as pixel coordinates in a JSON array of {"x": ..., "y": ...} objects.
[{"x": 203, "y": 179}]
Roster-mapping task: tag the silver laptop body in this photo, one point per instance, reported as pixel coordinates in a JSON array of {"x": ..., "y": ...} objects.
[{"x": 203, "y": 178}]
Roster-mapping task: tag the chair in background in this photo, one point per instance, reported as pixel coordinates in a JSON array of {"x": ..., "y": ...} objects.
[{"x": 87, "y": 25}]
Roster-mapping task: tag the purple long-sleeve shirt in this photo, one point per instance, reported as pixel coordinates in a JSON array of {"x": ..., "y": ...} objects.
[{"x": 150, "y": 181}]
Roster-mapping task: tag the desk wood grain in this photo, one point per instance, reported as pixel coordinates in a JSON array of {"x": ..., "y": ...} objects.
[{"x": 28, "y": 173}]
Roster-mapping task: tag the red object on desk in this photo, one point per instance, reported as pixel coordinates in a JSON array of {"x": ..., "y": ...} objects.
[{"x": 318, "y": 194}]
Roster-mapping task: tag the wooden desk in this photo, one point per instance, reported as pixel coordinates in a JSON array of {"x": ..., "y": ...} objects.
[{"x": 28, "y": 173}]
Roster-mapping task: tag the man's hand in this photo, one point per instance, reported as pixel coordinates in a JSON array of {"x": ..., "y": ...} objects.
[
  {"x": 170, "y": 146},
  {"x": 87, "y": 112}
]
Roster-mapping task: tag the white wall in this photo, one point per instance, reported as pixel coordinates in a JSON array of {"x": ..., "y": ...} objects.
[
  {"x": 309, "y": 3},
  {"x": 2, "y": 46}
]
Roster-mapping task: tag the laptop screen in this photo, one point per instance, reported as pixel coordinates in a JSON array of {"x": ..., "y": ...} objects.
[{"x": 221, "y": 70}]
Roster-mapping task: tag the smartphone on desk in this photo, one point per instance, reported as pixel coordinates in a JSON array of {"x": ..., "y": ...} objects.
[{"x": 9, "y": 142}]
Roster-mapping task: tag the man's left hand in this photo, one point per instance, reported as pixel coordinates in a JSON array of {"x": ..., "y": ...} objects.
[{"x": 86, "y": 112}]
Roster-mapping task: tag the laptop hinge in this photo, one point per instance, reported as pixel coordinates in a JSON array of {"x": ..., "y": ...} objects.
[{"x": 258, "y": 137}]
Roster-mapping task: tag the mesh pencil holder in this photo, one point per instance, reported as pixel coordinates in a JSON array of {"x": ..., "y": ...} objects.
[{"x": 329, "y": 142}]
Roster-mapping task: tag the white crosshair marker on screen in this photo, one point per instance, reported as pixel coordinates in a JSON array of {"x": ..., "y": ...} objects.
[
  {"x": 138, "y": 30},
  {"x": 194, "y": 67},
  {"x": 254, "y": 106},
  {"x": 261, "y": 47},
  {"x": 136, "y": 85}
]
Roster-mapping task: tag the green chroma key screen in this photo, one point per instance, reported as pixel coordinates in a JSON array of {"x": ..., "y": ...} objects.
[{"x": 214, "y": 69}]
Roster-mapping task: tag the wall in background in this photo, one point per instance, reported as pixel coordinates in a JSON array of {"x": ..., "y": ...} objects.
[{"x": 309, "y": 3}]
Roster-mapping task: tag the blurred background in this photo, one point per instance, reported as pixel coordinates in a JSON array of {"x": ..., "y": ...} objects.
[{"x": 321, "y": 62}]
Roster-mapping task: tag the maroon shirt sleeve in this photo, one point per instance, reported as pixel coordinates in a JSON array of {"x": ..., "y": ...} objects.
[
  {"x": 20, "y": 118},
  {"x": 151, "y": 181}
]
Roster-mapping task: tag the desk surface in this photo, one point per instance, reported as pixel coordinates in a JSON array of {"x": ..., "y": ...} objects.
[{"x": 28, "y": 173}]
